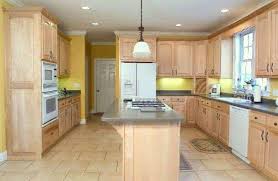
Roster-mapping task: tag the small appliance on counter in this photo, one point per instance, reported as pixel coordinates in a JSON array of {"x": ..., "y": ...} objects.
[
  {"x": 257, "y": 94},
  {"x": 215, "y": 89}
]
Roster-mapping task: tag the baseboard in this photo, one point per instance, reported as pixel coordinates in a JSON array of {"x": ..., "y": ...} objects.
[
  {"x": 83, "y": 121},
  {"x": 3, "y": 156}
]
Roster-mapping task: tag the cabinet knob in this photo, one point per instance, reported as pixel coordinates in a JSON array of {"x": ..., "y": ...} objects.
[
  {"x": 256, "y": 118},
  {"x": 275, "y": 124}
]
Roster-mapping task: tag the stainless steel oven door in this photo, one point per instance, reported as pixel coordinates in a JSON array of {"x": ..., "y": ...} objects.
[{"x": 49, "y": 107}]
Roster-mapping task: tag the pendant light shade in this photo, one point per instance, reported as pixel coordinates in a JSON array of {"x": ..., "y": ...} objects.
[{"x": 141, "y": 48}]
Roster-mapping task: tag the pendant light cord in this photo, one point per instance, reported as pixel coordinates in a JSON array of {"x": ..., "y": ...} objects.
[{"x": 141, "y": 28}]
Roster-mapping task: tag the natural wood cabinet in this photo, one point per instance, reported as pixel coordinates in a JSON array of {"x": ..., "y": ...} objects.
[
  {"x": 50, "y": 135},
  {"x": 200, "y": 55},
  {"x": 220, "y": 57},
  {"x": 62, "y": 121},
  {"x": 213, "y": 124},
  {"x": 183, "y": 59},
  {"x": 190, "y": 109},
  {"x": 49, "y": 40},
  {"x": 127, "y": 45},
  {"x": 256, "y": 146},
  {"x": 64, "y": 55},
  {"x": 274, "y": 40},
  {"x": 271, "y": 159},
  {"x": 175, "y": 58},
  {"x": 224, "y": 128}
]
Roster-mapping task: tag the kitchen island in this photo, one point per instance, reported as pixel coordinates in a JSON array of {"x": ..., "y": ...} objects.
[{"x": 150, "y": 142}]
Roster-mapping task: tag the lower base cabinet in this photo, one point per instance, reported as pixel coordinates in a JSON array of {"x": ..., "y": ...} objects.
[
  {"x": 50, "y": 135},
  {"x": 263, "y": 143}
]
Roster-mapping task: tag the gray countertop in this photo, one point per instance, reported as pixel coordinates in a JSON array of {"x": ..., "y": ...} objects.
[
  {"x": 71, "y": 93},
  {"x": 119, "y": 112}
]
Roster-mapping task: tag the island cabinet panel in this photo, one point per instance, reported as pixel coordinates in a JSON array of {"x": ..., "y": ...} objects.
[
  {"x": 165, "y": 58},
  {"x": 154, "y": 158},
  {"x": 200, "y": 53}
]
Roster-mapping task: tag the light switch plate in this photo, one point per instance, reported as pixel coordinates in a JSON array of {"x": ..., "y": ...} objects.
[{"x": 275, "y": 92}]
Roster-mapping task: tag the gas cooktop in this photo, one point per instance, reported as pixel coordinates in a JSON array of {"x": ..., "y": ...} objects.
[{"x": 147, "y": 103}]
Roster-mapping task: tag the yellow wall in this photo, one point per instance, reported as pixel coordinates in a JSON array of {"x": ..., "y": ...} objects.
[
  {"x": 77, "y": 70},
  {"x": 98, "y": 51},
  {"x": 2, "y": 82},
  {"x": 174, "y": 84}
]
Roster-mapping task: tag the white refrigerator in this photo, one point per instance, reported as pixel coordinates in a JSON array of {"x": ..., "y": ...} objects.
[{"x": 138, "y": 80}]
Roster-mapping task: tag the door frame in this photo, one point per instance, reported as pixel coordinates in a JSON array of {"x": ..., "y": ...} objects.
[{"x": 95, "y": 78}]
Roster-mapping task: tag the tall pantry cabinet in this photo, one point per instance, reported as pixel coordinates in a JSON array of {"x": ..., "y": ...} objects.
[{"x": 28, "y": 39}]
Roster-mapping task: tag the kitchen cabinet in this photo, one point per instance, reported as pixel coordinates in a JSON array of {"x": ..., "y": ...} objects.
[
  {"x": 183, "y": 59},
  {"x": 62, "y": 121},
  {"x": 64, "y": 55},
  {"x": 200, "y": 58},
  {"x": 213, "y": 123},
  {"x": 256, "y": 146},
  {"x": 224, "y": 128},
  {"x": 274, "y": 44},
  {"x": 127, "y": 45},
  {"x": 50, "y": 135},
  {"x": 220, "y": 57},
  {"x": 175, "y": 58},
  {"x": 190, "y": 109},
  {"x": 49, "y": 40}
]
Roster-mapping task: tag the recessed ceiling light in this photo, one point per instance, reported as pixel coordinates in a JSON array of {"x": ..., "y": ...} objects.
[
  {"x": 95, "y": 23},
  {"x": 224, "y": 10},
  {"x": 85, "y": 7},
  {"x": 178, "y": 25}
]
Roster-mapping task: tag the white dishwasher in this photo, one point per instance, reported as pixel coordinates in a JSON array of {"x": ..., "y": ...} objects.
[{"x": 239, "y": 131}]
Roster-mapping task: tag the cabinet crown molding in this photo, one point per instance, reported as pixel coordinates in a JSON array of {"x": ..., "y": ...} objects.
[
  {"x": 160, "y": 34},
  {"x": 76, "y": 32}
]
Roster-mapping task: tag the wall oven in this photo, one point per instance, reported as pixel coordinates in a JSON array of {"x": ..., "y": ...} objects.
[
  {"x": 49, "y": 107},
  {"x": 49, "y": 77}
]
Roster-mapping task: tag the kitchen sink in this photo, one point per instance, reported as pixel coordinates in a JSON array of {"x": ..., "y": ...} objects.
[{"x": 234, "y": 100}]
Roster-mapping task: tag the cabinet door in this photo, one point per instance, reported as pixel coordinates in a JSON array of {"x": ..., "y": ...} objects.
[
  {"x": 205, "y": 118},
  {"x": 46, "y": 38},
  {"x": 126, "y": 48},
  {"x": 200, "y": 58},
  {"x": 271, "y": 159},
  {"x": 62, "y": 122},
  {"x": 210, "y": 58},
  {"x": 217, "y": 58},
  {"x": 224, "y": 128},
  {"x": 165, "y": 58},
  {"x": 183, "y": 60},
  {"x": 274, "y": 42},
  {"x": 256, "y": 146},
  {"x": 190, "y": 110},
  {"x": 213, "y": 123},
  {"x": 179, "y": 108},
  {"x": 68, "y": 118},
  {"x": 263, "y": 44},
  {"x": 54, "y": 43}
]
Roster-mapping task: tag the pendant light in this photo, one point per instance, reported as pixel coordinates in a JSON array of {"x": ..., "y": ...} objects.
[{"x": 141, "y": 48}]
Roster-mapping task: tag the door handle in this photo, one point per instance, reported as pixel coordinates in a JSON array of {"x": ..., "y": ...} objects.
[
  {"x": 266, "y": 137},
  {"x": 267, "y": 67},
  {"x": 271, "y": 67},
  {"x": 262, "y": 135},
  {"x": 98, "y": 91}
]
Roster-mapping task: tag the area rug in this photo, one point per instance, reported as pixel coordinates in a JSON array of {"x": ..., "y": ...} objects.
[
  {"x": 208, "y": 145},
  {"x": 184, "y": 164}
]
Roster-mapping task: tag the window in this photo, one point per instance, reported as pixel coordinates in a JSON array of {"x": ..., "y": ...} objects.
[{"x": 245, "y": 61}]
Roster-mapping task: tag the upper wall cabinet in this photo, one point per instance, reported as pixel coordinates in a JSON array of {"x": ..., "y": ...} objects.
[
  {"x": 200, "y": 58},
  {"x": 49, "y": 40},
  {"x": 175, "y": 58},
  {"x": 266, "y": 44},
  {"x": 63, "y": 54},
  {"x": 220, "y": 58},
  {"x": 126, "y": 49}
]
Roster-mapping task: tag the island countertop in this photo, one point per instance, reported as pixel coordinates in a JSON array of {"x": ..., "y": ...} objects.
[{"x": 118, "y": 111}]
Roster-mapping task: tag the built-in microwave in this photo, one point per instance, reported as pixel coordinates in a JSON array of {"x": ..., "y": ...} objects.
[
  {"x": 49, "y": 107},
  {"x": 49, "y": 77}
]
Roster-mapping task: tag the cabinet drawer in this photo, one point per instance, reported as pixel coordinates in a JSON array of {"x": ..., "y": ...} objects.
[
  {"x": 164, "y": 99},
  {"x": 221, "y": 106},
  {"x": 68, "y": 101},
  {"x": 205, "y": 102},
  {"x": 62, "y": 103},
  {"x": 50, "y": 134},
  {"x": 258, "y": 117},
  {"x": 177, "y": 99},
  {"x": 272, "y": 122},
  {"x": 75, "y": 99}
]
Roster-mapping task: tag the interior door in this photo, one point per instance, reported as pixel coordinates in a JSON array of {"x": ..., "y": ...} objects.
[{"x": 105, "y": 84}]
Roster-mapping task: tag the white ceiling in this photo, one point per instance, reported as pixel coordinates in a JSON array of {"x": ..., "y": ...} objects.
[{"x": 158, "y": 15}]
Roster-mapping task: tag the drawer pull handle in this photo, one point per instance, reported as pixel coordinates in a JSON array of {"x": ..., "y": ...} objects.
[
  {"x": 275, "y": 124},
  {"x": 262, "y": 135},
  {"x": 256, "y": 118},
  {"x": 266, "y": 137}
]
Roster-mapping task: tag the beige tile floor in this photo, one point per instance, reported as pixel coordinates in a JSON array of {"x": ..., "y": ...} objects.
[{"x": 93, "y": 152}]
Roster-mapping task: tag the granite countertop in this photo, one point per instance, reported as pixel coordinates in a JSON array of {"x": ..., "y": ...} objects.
[
  {"x": 267, "y": 106},
  {"x": 119, "y": 112},
  {"x": 174, "y": 93},
  {"x": 71, "y": 93}
]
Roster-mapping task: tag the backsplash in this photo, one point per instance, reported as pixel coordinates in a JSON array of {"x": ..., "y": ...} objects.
[{"x": 174, "y": 84}]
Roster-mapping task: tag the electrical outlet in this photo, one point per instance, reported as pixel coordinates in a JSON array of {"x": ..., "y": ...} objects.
[
  {"x": 275, "y": 92},
  {"x": 76, "y": 85}
]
